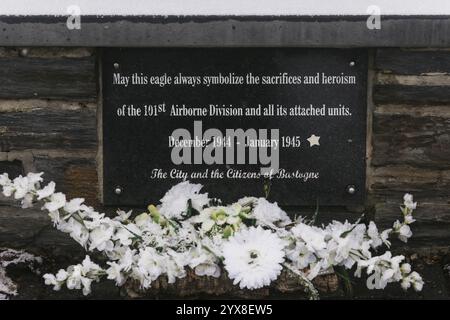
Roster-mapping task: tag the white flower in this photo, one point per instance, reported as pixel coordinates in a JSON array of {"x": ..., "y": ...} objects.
[
  {"x": 149, "y": 266},
  {"x": 123, "y": 215},
  {"x": 34, "y": 178},
  {"x": 270, "y": 213},
  {"x": 73, "y": 205},
  {"x": 409, "y": 219},
  {"x": 408, "y": 202},
  {"x": 372, "y": 232},
  {"x": 50, "y": 280},
  {"x": 404, "y": 233},
  {"x": 253, "y": 257},
  {"x": 100, "y": 238},
  {"x": 405, "y": 268},
  {"x": 385, "y": 236},
  {"x": 115, "y": 273},
  {"x": 27, "y": 201},
  {"x": 61, "y": 275},
  {"x": 4, "y": 179},
  {"x": 405, "y": 284},
  {"x": 142, "y": 219},
  {"x": 24, "y": 185},
  {"x": 76, "y": 230},
  {"x": 175, "y": 201},
  {"x": 8, "y": 190},
  {"x": 127, "y": 260},
  {"x": 47, "y": 191},
  {"x": 382, "y": 270},
  {"x": 126, "y": 233},
  {"x": 413, "y": 279},
  {"x": 313, "y": 237},
  {"x": 417, "y": 281},
  {"x": 21, "y": 186},
  {"x": 57, "y": 201}
]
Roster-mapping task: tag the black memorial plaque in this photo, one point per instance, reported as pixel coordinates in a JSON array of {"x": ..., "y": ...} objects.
[{"x": 312, "y": 101}]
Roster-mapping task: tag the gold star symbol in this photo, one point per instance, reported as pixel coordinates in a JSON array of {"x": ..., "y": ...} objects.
[{"x": 313, "y": 140}]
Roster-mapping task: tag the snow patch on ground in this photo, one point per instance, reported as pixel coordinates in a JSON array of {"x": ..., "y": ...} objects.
[{"x": 224, "y": 7}]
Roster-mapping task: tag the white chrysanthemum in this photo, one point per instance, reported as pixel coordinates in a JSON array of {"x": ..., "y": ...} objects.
[
  {"x": 253, "y": 257},
  {"x": 175, "y": 201},
  {"x": 270, "y": 213}
]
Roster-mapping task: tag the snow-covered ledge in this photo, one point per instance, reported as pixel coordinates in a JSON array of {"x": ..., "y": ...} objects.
[{"x": 318, "y": 23}]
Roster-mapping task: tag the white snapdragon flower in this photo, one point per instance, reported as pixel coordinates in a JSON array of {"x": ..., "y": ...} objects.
[
  {"x": 313, "y": 237},
  {"x": 408, "y": 202},
  {"x": 47, "y": 191},
  {"x": 372, "y": 232},
  {"x": 5, "y": 180},
  {"x": 57, "y": 201},
  {"x": 51, "y": 280},
  {"x": 253, "y": 257},
  {"x": 35, "y": 178},
  {"x": 203, "y": 262},
  {"x": 150, "y": 265},
  {"x": 21, "y": 186},
  {"x": 123, "y": 215},
  {"x": 270, "y": 214},
  {"x": 409, "y": 219},
  {"x": 100, "y": 238},
  {"x": 114, "y": 272},
  {"x": 404, "y": 231},
  {"x": 27, "y": 201},
  {"x": 78, "y": 276},
  {"x": 417, "y": 281},
  {"x": 175, "y": 201},
  {"x": 95, "y": 219},
  {"x": 8, "y": 190},
  {"x": 73, "y": 205},
  {"x": 300, "y": 255},
  {"x": 76, "y": 231},
  {"x": 382, "y": 270},
  {"x": 126, "y": 233},
  {"x": 128, "y": 259},
  {"x": 405, "y": 268},
  {"x": 142, "y": 220}
]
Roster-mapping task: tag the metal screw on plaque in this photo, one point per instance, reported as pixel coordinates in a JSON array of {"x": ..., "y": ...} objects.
[
  {"x": 23, "y": 52},
  {"x": 351, "y": 189},
  {"x": 352, "y": 63},
  {"x": 118, "y": 190},
  {"x": 116, "y": 65}
]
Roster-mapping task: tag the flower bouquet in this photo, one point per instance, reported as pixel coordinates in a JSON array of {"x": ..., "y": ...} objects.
[{"x": 251, "y": 242}]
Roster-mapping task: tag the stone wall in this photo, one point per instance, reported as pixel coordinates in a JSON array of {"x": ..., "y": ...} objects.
[
  {"x": 48, "y": 122},
  {"x": 410, "y": 136}
]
